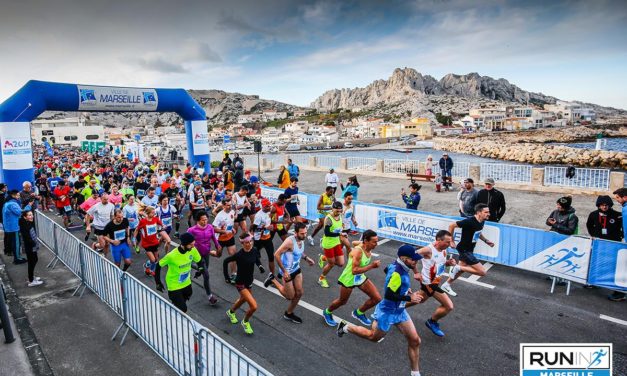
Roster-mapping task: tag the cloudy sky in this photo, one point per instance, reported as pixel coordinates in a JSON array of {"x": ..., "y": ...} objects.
[{"x": 293, "y": 51}]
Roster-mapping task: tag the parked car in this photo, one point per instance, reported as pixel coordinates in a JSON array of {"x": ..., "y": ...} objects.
[{"x": 348, "y": 145}]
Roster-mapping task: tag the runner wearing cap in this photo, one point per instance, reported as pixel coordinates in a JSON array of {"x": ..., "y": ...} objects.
[
  {"x": 246, "y": 259},
  {"x": 391, "y": 310},
  {"x": 261, "y": 228},
  {"x": 471, "y": 234},
  {"x": 331, "y": 243},
  {"x": 180, "y": 263}
]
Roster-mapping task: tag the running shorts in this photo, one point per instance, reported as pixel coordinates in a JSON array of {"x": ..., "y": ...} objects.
[
  {"x": 468, "y": 257},
  {"x": 180, "y": 297},
  {"x": 292, "y": 274},
  {"x": 334, "y": 252},
  {"x": 268, "y": 246},
  {"x": 293, "y": 212},
  {"x": 227, "y": 243},
  {"x": 152, "y": 248},
  {"x": 241, "y": 286},
  {"x": 120, "y": 251},
  {"x": 281, "y": 232},
  {"x": 386, "y": 320},
  {"x": 99, "y": 232},
  {"x": 240, "y": 218},
  {"x": 431, "y": 289}
]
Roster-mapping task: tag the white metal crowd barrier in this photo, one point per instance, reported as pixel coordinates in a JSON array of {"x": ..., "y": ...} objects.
[
  {"x": 186, "y": 346},
  {"x": 595, "y": 178},
  {"x": 506, "y": 172},
  {"x": 460, "y": 169},
  {"x": 362, "y": 164},
  {"x": 300, "y": 160},
  {"x": 328, "y": 161},
  {"x": 401, "y": 166}
]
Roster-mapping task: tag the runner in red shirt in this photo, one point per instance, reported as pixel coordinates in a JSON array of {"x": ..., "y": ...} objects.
[
  {"x": 148, "y": 228},
  {"x": 62, "y": 202}
]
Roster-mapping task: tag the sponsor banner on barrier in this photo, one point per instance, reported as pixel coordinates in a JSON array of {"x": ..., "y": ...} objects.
[
  {"x": 567, "y": 259},
  {"x": 608, "y": 265},
  {"x": 200, "y": 137},
  {"x": 273, "y": 193},
  {"x": 17, "y": 148},
  {"x": 418, "y": 228},
  {"x": 566, "y": 359},
  {"x": 104, "y": 98}
]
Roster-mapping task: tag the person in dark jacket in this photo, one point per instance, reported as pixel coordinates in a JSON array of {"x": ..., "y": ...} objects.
[
  {"x": 563, "y": 220},
  {"x": 605, "y": 223},
  {"x": 413, "y": 199},
  {"x": 493, "y": 198},
  {"x": 446, "y": 165},
  {"x": 29, "y": 238},
  {"x": 238, "y": 177},
  {"x": 11, "y": 212},
  {"x": 3, "y": 198}
]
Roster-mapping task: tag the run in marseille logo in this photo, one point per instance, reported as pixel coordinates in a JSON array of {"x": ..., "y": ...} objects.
[{"x": 565, "y": 359}]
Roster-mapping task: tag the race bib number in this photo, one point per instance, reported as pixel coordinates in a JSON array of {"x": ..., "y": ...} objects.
[
  {"x": 118, "y": 205},
  {"x": 119, "y": 235},
  {"x": 280, "y": 219},
  {"x": 475, "y": 236},
  {"x": 441, "y": 269},
  {"x": 151, "y": 230},
  {"x": 200, "y": 202},
  {"x": 183, "y": 277},
  {"x": 337, "y": 230},
  {"x": 229, "y": 228},
  {"x": 266, "y": 232},
  {"x": 167, "y": 222},
  {"x": 604, "y": 231},
  {"x": 141, "y": 192},
  {"x": 360, "y": 278},
  {"x": 53, "y": 184},
  {"x": 132, "y": 220},
  {"x": 67, "y": 208},
  {"x": 173, "y": 201}
]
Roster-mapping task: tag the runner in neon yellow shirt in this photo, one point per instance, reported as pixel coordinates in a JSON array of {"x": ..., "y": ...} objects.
[{"x": 179, "y": 262}]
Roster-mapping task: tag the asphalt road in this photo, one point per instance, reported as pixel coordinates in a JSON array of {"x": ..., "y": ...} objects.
[{"x": 492, "y": 316}]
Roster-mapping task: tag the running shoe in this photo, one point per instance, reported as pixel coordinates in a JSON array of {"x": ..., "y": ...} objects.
[
  {"x": 268, "y": 280},
  {"x": 212, "y": 299},
  {"x": 233, "y": 278},
  {"x": 247, "y": 328},
  {"x": 231, "y": 316},
  {"x": 35, "y": 283},
  {"x": 435, "y": 328},
  {"x": 323, "y": 283},
  {"x": 311, "y": 240},
  {"x": 362, "y": 318},
  {"x": 617, "y": 296},
  {"x": 177, "y": 235},
  {"x": 328, "y": 318},
  {"x": 137, "y": 249},
  {"x": 322, "y": 259},
  {"x": 147, "y": 271},
  {"x": 152, "y": 273},
  {"x": 340, "y": 328},
  {"x": 353, "y": 233},
  {"x": 447, "y": 289},
  {"x": 292, "y": 317}
]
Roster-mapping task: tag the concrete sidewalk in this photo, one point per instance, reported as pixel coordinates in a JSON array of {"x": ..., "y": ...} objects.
[
  {"x": 13, "y": 356},
  {"x": 66, "y": 335}
]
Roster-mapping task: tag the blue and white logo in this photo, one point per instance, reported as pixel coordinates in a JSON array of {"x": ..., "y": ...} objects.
[
  {"x": 387, "y": 219},
  {"x": 573, "y": 359},
  {"x": 564, "y": 259},
  {"x": 88, "y": 96},
  {"x": 149, "y": 97},
  {"x": 568, "y": 259}
]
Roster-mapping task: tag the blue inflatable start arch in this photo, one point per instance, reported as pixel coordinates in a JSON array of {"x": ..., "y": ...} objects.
[{"x": 16, "y": 113}]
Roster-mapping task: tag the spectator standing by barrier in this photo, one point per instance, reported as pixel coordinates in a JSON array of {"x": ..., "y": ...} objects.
[
  {"x": 29, "y": 236},
  {"x": 429, "y": 163},
  {"x": 494, "y": 199},
  {"x": 292, "y": 169},
  {"x": 468, "y": 198},
  {"x": 621, "y": 197},
  {"x": 605, "y": 222},
  {"x": 411, "y": 200},
  {"x": 446, "y": 165},
  {"x": 284, "y": 178},
  {"x": 11, "y": 213},
  {"x": 28, "y": 196},
  {"x": 352, "y": 187},
  {"x": 563, "y": 219},
  {"x": 331, "y": 180}
]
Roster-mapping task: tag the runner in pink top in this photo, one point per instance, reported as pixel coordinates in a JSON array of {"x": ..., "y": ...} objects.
[{"x": 204, "y": 234}]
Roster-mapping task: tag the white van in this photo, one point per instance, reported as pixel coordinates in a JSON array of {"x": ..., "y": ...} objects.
[
  {"x": 348, "y": 145},
  {"x": 293, "y": 147}
]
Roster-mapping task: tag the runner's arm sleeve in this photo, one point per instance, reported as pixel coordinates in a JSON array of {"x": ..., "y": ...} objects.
[
  {"x": 392, "y": 291},
  {"x": 158, "y": 273},
  {"x": 327, "y": 229},
  {"x": 225, "y": 265}
]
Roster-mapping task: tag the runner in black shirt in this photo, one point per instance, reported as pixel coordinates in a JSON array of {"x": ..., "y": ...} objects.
[
  {"x": 117, "y": 234},
  {"x": 471, "y": 234},
  {"x": 246, "y": 259}
]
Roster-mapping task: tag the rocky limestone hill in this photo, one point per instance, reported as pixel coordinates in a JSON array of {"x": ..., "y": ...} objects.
[
  {"x": 221, "y": 108},
  {"x": 409, "y": 90}
]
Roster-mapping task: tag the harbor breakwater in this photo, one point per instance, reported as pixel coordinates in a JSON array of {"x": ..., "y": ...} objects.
[{"x": 539, "y": 147}]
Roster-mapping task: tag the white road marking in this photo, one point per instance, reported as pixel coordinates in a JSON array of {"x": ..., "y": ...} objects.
[
  {"x": 384, "y": 241},
  {"x": 307, "y": 306},
  {"x": 486, "y": 285},
  {"x": 486, "y": 266},
  {"x": 613, "y": 319}
]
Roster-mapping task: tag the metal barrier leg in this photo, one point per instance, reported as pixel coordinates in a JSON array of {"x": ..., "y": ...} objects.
[
  {"x": 82, "y": 264},
  {"x": 567, "y": 288},
  {"x": 553, "y": 281},
  {"x": 55, "y": 249}
]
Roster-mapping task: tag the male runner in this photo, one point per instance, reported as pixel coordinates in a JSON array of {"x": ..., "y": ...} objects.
[
  {"x": 359, "y": 262},
  {"x": 223, "y": 224},
  {"x": 179, "y": 263},
  {"x": 246, "y": 259},
  {"x": 324, "y": 208},
  {"x": 348, "y": 216},
  {"x": 241, "y": 203},
  {"x": 288, "y": 258},
  {"x": 471, "y": 233},
  {"x": 391, "y": 310},
  {"x": 100, "y": 214},
  {"x": 261, "y": 228},
  {"x": 331, "y": 243},
  {"x": 291, "y": 205},
  {"x": 117, "y": 234},
  {"x": 148, "y": 228},
  {"x": 63, "y": 203},
  {"x": 434, "y": 264}
]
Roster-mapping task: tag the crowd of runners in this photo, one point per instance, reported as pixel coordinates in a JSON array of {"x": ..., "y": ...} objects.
[{"x": 127, "y": 207}]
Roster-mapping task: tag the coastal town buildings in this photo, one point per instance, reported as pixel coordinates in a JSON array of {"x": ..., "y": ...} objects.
[{"x": 69, "y": 132}]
